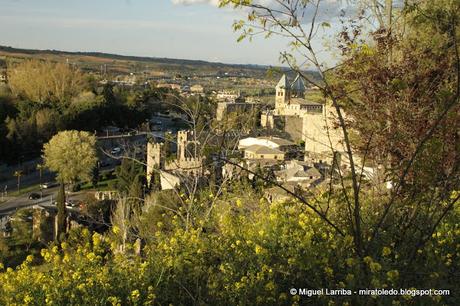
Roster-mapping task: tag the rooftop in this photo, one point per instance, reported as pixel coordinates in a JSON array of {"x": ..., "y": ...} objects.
[
  {"x": 259, "y": 149},
  {"x": 272, "y": 142},
  {"x": 283, "y": 83},
  {"x": 278, "y": 141},
  {"x": 298, "y": 84},
  {"x": 302, "y": 101}
]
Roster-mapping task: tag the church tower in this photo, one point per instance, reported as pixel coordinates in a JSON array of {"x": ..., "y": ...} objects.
[
  {"x": 282, "y": 93},
  {"x": 298, "y": 87}
]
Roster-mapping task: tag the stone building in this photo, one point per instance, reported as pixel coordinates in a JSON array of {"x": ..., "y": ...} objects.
[
  {"x": 197, "y": 89},
  {"x": 298, "y": 172},
  {"x": 304, "y": 120},
  {"x": 271, "y": 142},
  {"x": 263, "y": 152},
  {"x": 172, "y": 172},
  {"x": 169, "y": 86},
  {"x": 236, "y": 106},
  {"x": 227, "y": 95}
]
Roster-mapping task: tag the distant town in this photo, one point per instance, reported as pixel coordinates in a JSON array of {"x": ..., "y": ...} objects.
[
  {"x": 275, "y": 126},
  {"x": 329, "y": 177}
]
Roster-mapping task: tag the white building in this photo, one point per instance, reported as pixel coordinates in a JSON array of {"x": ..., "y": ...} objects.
[
  {"x": 263, "y": 152},
  {"x": 271, "y": 142}
]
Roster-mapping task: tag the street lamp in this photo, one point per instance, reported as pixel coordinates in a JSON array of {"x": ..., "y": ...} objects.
[
  {"x": 18, "y": 174},
  {"x": 40, "y": 169}
]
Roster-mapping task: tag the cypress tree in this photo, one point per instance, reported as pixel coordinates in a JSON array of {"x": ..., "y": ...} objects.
[{"x": 62, "y": 212}]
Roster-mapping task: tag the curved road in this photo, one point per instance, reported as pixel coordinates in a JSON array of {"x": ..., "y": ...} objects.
[{"x": 22, "y": 201}]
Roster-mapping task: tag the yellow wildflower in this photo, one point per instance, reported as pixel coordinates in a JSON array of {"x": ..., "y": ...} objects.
[{"x": 386, "y": 251}]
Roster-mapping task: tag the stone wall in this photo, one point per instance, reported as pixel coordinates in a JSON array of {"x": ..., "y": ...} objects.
[
  {"x": 43, "y": 222},
  {"x": 321, "y": 134},
  {"x": 225, "y": 108},
  {"x": 293, "y": 126}
]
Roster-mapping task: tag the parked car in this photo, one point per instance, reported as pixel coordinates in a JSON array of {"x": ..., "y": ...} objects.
[
  {"x": 34, "y": 196},
  {"x": 72, "y": 204},
  {"x": 104, "y": 163},
  {"x": 49, "y": 185},
  {"x": 115, "y": 151}
]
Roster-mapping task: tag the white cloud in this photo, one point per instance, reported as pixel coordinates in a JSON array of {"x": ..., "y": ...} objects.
[
  {"x": 328, "y": 9},
  {"x": 189, "y": 2}
]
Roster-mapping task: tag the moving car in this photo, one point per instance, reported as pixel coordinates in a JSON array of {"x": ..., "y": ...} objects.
[
  {"x": 34, "y": 196},
  {"x": 115, "y": 151},
  {"x": 49, "y": 185},
  {"x": 72, "y": 204}
]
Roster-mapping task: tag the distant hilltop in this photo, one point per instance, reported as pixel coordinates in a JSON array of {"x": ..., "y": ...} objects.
[
  {"x": 126, "y": 63},
  {"x": 8, "y": 49}
]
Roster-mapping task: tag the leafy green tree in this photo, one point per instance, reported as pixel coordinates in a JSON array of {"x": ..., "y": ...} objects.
[
  {"x": 47, "y": 122},
  {"x": 7, "y": 110},
  {"x": 127, "y": 174},
  {"x": 4, "y": 249},
  {"x": 395, "y": 95},
  {"x": 42, "y": 81},
  {"x": 97, "y": 212},
  {"x": 72, "y": 155}
]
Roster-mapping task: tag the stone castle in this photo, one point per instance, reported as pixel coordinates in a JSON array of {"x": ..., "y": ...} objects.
[
  {"x": 187, "y": 163},
  {"x": 304, "y": 120}
]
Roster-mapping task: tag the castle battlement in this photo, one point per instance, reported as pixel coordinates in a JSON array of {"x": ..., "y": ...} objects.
[{"x": 183, "y": 164}]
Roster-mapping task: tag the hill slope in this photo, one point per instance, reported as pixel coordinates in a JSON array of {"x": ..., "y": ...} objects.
[{"x": 123, "y": 64}]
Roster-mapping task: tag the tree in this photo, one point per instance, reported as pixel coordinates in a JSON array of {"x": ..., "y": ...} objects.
[
  {"x": 72, "y": 155},
  {"x": 95, "y": 176},
  {"x": 42, "y": 81},
  {"x": 61, "y": 226},
  {"x": 128, "y": 174},
  {"x": 47, "y": 122},
  {"x": 396, "y": 96},
  {"x": 7, "y": 110}
]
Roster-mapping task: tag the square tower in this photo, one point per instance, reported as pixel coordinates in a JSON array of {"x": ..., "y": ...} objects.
[
  {"x": 154, "y": 159},
  {"x": 282, "y": 93}
]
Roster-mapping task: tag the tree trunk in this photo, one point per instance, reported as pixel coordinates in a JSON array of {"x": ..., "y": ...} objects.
[
  {"x": 61, "y": 213},
  {"x": 388, "y": 13}
]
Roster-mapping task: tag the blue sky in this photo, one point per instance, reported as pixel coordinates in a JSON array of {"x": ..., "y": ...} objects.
[{"x": 157, "y": 28}]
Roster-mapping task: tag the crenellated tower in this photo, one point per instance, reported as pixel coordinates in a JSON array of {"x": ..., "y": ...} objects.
[
  {"x": 184, "y": 139},
  {"x": 154, "y": 159}
]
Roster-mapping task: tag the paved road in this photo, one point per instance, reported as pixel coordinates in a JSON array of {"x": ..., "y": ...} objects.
[
  {"x": 30, "y": 175},
  {"x": 23, "y": 200},
  {"x": 49, "y": 196}
]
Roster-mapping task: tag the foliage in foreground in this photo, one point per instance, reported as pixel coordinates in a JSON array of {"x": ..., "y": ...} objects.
[{"x": 240, "y": 255}]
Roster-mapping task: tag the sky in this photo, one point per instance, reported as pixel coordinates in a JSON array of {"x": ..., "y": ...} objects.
[{"x": 185, "y": 29}]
